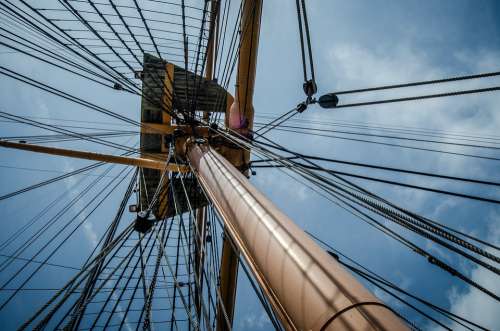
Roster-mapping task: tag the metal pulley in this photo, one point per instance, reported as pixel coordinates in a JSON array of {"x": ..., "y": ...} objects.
[
  {"x": 118, "y": 87},
  {"x": 144, "y": 221},
  {"x": 310, "y": 88},
  {"x": 329, "y": 100},
  {"x": 301, "y": 107}
]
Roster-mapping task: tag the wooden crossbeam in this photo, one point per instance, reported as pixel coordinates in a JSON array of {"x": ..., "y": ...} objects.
[{"x": 142, "y": 162}]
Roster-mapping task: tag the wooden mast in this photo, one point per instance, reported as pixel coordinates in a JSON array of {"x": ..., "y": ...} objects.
[
  {"x": 239, "y": 117},
  {"x": 307, "y": 288}
]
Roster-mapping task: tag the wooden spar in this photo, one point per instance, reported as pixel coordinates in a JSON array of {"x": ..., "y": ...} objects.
[
  {"x": 307, "y": 288},
  {"x": 239, "y": 117},
  {"x": 142, "y": 162},
  {"x": 212, "y": 42},
  {"x": 228, "y": 278},
  {"x": 199, "y": 241},
  {"x": 241, "y": 113}
]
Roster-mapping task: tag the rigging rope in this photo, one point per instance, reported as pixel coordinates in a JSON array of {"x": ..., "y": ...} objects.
[
  {"x": 385, "y": 136},
  {"x": 421, "y": 97},
  {"x": 426, "y": 82},
  {"x": 309, "y": 85},
  {"x": 391, "y": 182},
  {"x": 379, "y": 167}
]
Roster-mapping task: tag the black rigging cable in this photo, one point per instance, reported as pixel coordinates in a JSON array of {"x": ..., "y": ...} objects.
[
  {"x": 96, "y": 32},
  {"x": 69, "y": 133},
  {"x": 89, "y": 286},
  {"x": 420, "y": 97},
  {"x": 391, "y": 182},
  {"x": 277, "y": 121},
  {"x": 379, "y": 167},
  {"x": 53, "y": 220},
  {"x": 122, "y": 238},
  {"x": 69, "y": 97},
  {"x": 56, "y": 29},
  {"x": 97, "y": 77},
  {"x": 52, "y": 180},
  {"x": 72, "y": 285},
  {"x": 309, "y": 85},
  {"x": 136, "y": 286},
  {"x": 148, "y": 30},
  {"x": 426, "y": 82},
  {"x": 62, "y": 30},
  {"x": 385, "y": 136},
  {"x": 425, "y": 149},
  {"x": 407, "y": 130},
  {"x": 60, "y": 244}
]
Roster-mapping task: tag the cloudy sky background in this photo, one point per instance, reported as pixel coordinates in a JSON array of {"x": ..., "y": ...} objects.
[{"x": 356, "y": 44}]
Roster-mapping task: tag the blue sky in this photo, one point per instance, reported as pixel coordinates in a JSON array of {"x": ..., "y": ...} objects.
[{"x": 355, "y": 44}]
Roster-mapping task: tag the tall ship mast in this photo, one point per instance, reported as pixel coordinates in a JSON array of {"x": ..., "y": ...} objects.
[{"x": 165, "y": 223}]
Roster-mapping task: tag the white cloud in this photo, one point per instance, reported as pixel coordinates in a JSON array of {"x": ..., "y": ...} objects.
[
  {"x": 88, "y": 229},
  {"x": 355, "y": 66},
  {"x": 281, "y": 185},
  {"x": 253, "y": 321}
]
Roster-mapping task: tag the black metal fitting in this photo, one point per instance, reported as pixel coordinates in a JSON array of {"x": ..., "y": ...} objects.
[
  {"x": 301, "y": 107},
  {"x": 200, "y": 141},
  {"x": 329, "y": 100},
  {"x": 178, "y": 133},
  {"x": 144, "y": 221},
  {"x": 138, "y": 74},
  {"x": 334, "y": 255},
  {"x": 168, "y": 139},
  {"x": 310, "y": 88}
]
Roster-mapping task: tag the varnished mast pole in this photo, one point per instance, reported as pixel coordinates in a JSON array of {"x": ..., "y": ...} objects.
[{"x": 308, "y": 289}]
